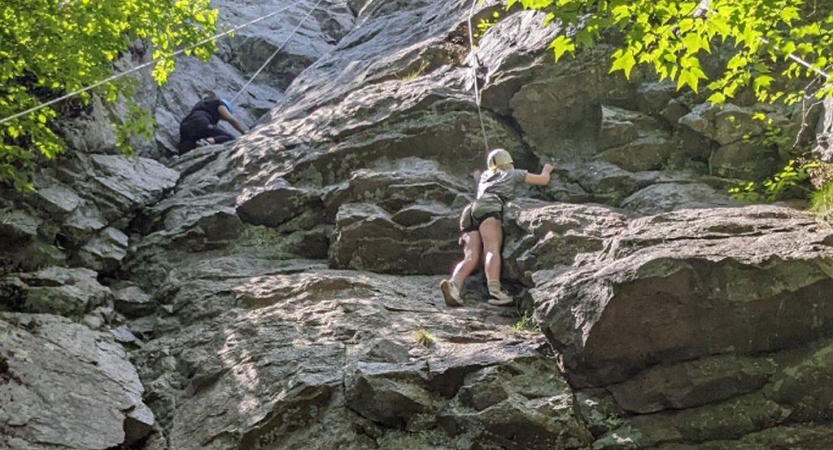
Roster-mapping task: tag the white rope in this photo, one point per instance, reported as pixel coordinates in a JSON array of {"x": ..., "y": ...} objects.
[
  {"x": 474, "y": 68},
  {"x": 291, "y": 35},
  {"x": 798, "y": 59},
  {"x": 142, "y": 66}
]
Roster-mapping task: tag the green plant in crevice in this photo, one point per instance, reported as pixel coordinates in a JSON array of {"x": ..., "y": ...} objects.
[
  {"x": 424, "y": 338},
  {"x": 484, "y": 24},
  {"x": 784, "y": 183},
  {"x": 526, "y": 323},
  {"x": 416, "y": 73},
  {"x": 821, "y": 203}
]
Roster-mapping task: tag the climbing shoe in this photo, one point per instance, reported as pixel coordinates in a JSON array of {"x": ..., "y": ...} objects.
[
  {"x": 203, "y": 143},
  {"x": 451, "y": 293},
  {"x": 499, "y": 297}
]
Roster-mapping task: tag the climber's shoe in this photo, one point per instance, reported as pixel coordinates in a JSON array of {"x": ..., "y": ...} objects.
[
  {"x": 451, "y": 293},
  {"x": 203, "y": 143},
  {"x": 499, "y": 297}
]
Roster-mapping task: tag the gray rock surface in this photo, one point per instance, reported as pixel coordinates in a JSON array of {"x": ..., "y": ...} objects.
[
  {"x": 105, "y": 252},
  {"x": 706, "y": 266},
  {"x": 280, "y": 291},
  {"x": 663, "y": 197},
  {"x": 133, "y": 302},
  {"x": 16, "y": 228},
  {"x": 56, "y": 290},
  {"x": 62, "y": 385}
]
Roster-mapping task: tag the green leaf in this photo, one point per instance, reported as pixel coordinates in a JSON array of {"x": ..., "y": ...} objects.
[
  {"x": 717, "y": 98},
  {"x": 763, "y": 81},
  {"x": 561, "y": 45},
  {"x": 624, "y": 61}
]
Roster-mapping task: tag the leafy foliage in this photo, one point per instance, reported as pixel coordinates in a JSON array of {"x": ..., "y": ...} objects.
[
  {"x": 484, "y": 24},
  {"x": 780, "y": 185},
  {"x": 673, "y": 37},
  {"x": 50, "y": 47}
]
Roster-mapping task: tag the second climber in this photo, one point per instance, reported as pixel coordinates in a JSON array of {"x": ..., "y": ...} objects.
[{"x": 200, "y": 126}]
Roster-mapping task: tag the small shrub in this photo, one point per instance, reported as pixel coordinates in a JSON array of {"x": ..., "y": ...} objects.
[
  {"x": 785, "y": 184},
  {"x": 484, "y": 25},
  {"x": 821, "y": 203},
  {"x": 424, "y": 338},
  {"x": 526, "y": 323},
  {"x": 416, "y": 73}
]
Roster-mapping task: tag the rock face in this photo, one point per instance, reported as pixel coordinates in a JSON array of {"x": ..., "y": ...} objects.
[
  {"x": 280, "y": 292},
  {"x": 64, "y": 385},
  {"x": 691, "y": 320},
  {"x": 674, "y": 291}
]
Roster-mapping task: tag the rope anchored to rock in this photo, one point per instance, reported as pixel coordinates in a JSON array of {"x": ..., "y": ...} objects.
[
  {"x": 475, "y": 66},
  {"x": 275, "y": 53}
]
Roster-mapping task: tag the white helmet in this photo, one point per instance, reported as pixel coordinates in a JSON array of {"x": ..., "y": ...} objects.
[{"x": 499, "y": 158}]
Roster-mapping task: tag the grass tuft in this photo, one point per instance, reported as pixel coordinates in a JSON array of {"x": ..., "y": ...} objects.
[
  {"x": 526, "y": 323},
  {"x": 821, "y": 203},
  {"x": 424, "y": 338}
]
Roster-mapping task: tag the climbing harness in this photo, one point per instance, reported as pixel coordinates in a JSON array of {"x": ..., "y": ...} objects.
[
  {"x": 148, "y": 64},
  {"x": 275, "y": 53},
  {"x": 474, "y": 68}
]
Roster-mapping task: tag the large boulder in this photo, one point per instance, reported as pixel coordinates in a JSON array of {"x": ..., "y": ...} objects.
[
  {"x": 62, "y": 385},
  {"x": 105, "y": 252},
  {"x": 725, "y": 124},
  {"x": 17, "y": 228},
  {"x": 529, "y": 409},
  {"x": 689, "y": 284},
  {"x": 390, "y": 394}
]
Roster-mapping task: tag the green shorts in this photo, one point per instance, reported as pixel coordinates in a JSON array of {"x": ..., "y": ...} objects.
[{"x": 474, "y": 214}]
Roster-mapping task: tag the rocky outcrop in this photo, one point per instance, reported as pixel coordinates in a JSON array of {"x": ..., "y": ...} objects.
[
  {"x": 704, "y": 274},
  {"x": 63, "y": 385},
  {"x": 334, "y": 357},
  {"x": 691, "y": 321},
  {"x": 280, "y": 291},
  {"x": 363, "y": 166}
]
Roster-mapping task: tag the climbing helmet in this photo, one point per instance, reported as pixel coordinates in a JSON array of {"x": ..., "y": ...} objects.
[{"x": 499, "y": 158}]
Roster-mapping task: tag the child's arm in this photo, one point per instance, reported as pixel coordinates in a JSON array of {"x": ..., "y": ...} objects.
[{"x": 541, "y": 179}]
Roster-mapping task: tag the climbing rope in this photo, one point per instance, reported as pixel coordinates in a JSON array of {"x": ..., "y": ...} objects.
[
  {"x": 475, "y": 66},
  {"x": 275, "y": 53},
  {"x": 148, "y": 64},
  {"x": 798, "y": 59}
]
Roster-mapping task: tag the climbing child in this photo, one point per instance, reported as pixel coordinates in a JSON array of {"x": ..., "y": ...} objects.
[
  {"x": 480, "y": 225},
  {"x": 200, "y": 126}
]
